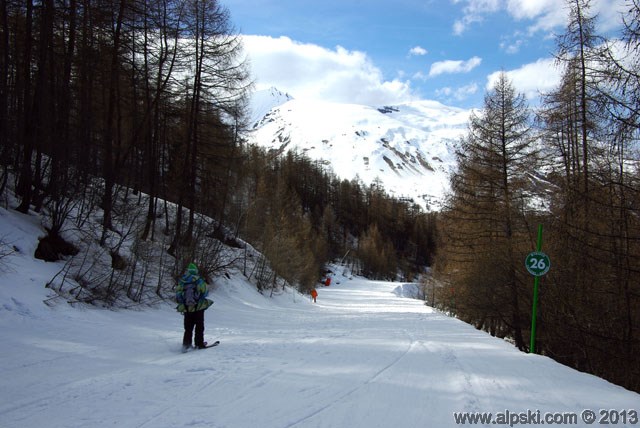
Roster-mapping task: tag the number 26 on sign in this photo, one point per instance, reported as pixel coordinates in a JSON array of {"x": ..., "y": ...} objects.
[{"x": 537, "y": 263}]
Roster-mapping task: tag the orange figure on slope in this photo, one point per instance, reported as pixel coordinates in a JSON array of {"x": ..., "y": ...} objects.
[{"x": 314, "y": 294}]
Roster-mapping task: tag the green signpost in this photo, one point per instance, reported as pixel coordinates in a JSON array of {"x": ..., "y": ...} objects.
[{"x": 537, "y": 264}]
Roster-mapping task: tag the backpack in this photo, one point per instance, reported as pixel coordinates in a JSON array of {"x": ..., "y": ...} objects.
[
  {"x": 191, "y": 295},
  {"x": 188, "y": 296}
]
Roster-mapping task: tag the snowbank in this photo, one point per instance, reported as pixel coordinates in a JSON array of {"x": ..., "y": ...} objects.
[{"x": 409, "y": 290}]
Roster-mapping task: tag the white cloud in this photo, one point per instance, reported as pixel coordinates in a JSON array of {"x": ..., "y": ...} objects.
[
  {"x": 458, "y": 94},
  {"x": 610, "y": 13},
  {"x": 460, "y": 25},
  {"x": 544, "y": 15},
  {"x": 451, "y": 66},
  {"x": 511, "y": 47},
  {"x": 420, "y": 76},
  {"x": 312, "y": 71},
  {"x": 418, "y": 51},
  {"x": 532, "y": 79},
  {"x": 474, "y": 11},
  {"x": 551, "y": 14},
  {"x": 532, "y": 9}
]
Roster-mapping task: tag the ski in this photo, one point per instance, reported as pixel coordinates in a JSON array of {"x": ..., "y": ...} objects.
[{"x": 208, "y": 345}]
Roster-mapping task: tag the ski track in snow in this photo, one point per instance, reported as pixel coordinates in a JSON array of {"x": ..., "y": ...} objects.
[
  {"x": 352, "y": 391},
  {"x": 361, "y": 357}
]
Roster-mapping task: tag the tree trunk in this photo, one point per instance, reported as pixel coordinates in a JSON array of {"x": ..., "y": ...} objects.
[{"x": 108, "y": 139}]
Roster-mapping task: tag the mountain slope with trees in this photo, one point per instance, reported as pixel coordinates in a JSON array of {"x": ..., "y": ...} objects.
[
  {"x": 580, "y": 180},
  {"x": 408, "y": 148},
  {"x": 131, "y": 111}
]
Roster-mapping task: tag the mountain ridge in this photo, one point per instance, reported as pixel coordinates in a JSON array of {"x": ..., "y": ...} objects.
[{"x": 408, "y": 148}]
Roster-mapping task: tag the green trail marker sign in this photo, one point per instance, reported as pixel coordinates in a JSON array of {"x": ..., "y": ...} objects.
[{"x": 537, "y": 264}]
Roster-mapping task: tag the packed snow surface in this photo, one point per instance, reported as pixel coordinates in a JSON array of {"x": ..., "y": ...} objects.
[{"x": 362, "y": 356}]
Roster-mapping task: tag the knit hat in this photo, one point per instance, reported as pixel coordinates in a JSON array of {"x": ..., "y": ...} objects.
[{"x": 192, "y": 269}]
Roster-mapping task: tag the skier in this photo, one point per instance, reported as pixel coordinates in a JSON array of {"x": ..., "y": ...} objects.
[
  {"x": 327, "y": 282},
  {"x": 314, "y": 294},
  {"x": 191, "y": 295}
]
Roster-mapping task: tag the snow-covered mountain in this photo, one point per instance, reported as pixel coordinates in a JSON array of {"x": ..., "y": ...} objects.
[
  {"x": 263, "y": 101},
  {"x": 408, "y": 147}
]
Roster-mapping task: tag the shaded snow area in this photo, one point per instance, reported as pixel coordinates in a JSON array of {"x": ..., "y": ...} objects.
[
  {"x": 362, "y": 356},
  {"x": 410, "y": 290}
]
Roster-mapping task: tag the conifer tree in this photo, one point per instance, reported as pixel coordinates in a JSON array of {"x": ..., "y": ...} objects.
[
  {"x": 590, "y": 130},
  {"x": 483, "y": 224}
]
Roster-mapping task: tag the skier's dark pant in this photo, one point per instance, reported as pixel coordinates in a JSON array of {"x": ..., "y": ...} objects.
[{"x": 193, "y": 319}]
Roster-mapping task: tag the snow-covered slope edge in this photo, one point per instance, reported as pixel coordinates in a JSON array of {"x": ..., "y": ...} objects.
[
  {"x": 263, "y": 101},
  {"x": 360, "y": 357},
  {"x": 409, "y": 148}
]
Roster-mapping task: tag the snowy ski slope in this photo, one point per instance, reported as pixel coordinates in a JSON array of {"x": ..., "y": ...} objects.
[{"x": 361, "y": 357}]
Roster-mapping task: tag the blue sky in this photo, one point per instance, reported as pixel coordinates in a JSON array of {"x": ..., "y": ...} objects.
[{"x": 379, "y": 52}]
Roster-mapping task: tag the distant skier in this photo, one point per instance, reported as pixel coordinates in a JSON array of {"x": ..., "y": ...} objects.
[
  {"x": 314, "y": 294},
  {"x": 327, "y": 282},
  {"x": 191, "y": 296}
]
